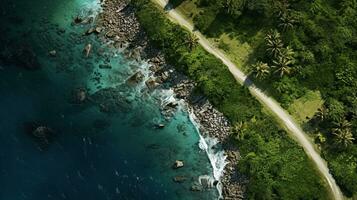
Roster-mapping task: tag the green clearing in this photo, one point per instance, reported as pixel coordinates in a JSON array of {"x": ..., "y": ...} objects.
[
  {"x": 237, "y": 51},
  {"x": 305, "y": 107},
  {"x": 188, "y": 9}
]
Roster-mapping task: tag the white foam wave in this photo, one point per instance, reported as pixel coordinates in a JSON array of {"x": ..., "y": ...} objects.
[
  {"x": 90, "y": 9},
  {"x": 216, "y": 157}
]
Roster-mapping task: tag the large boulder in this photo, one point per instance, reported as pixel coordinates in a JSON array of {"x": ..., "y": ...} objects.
[
  {"x": 160, "y": 126},
  {"x": 151, "y": 83},
  {"x": 87, "y": 49},
  {"x": 178, "y": 164},
  {"x": 52, "y": 53},
  {"x": 79, "y": 95},
  {"x": 136, "y": 78},
  {"x": 78, "y": 20},
  {"x": 95, "y": 30},
  {"x": 196, "y": 188}
]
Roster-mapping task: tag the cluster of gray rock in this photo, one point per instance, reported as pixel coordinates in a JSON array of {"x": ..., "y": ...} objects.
[
  {"x": 119, "y": 24},
  {"x": 215, "y": 124}
]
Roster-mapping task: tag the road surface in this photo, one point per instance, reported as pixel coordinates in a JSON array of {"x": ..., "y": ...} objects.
[{"x": 274, "y": 107}]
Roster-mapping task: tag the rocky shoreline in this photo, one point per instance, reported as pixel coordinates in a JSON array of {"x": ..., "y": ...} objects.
[{"x": 118, "y": 26}]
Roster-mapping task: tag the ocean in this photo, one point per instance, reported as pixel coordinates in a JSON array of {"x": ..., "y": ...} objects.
[{"x": 108, "y": 146}]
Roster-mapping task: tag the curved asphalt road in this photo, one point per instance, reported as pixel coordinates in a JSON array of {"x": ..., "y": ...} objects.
[{"x": 269, "y": 102}]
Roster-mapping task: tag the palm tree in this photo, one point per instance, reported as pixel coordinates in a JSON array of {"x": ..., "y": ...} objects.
[
  {"x": 344, "y": 137},
  {"x": 261, "y": 69},
  {"x": 315, "y": 6},
  {"x": 288, "y": 52},
  {"x": 239, "y": 129},
  {"x": 286, "y": 22},
  {"x": 341, "y": 125},
  {"x": 285, "y": 58},
  {"x": 284, "y": 5},
  {"x": 274, "y": 43},
  {"x": 343, "y": 132},
  {"x": 282, "y": 66},
  {"x": 321, "y": 113},
  {"x": 191, "y": 41}
]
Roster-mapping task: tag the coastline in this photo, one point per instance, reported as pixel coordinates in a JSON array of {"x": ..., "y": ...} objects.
[{"x": 118, "y": 26}]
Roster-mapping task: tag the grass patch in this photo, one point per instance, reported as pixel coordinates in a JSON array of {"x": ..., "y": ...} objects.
[
  {"x": 232, "y": 40},
  {"x": 305, "y": 107},
  {"x": 188, "y": 9},
  {"x": 239, "y": 52}
]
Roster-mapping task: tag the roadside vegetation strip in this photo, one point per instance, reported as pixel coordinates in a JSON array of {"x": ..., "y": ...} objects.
[{"x": 277, "y": 166}]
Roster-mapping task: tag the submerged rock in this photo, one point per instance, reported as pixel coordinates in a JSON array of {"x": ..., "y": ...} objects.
[
  {"x": 101, "y": 124},
  {"x": 79, "y": 95},
  {"x": 41, "y": 133},
  {"x": 179, "y": 179},
  {"x": 105, "y": 66},
  {"x": 61, "y": 31},
  {"x": 89, "y": 31},
  {"x": 196, "y": 188},
  {"x": 111, "y": 100},
  {"x": 153, "y": 146},
  {"x": 25, "y": 57},
  {"x": 80, "y": 20}
]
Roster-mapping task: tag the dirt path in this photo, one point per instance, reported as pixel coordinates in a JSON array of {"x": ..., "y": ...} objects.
[{"x": 274, "y": 107}]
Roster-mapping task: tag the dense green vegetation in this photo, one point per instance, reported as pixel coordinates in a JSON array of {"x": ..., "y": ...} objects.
[
  {"x": 306, "y": 46},
  {"x": 276, "y": 166}
]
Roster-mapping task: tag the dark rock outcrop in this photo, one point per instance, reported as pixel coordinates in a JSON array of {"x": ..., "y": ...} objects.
[
  {"x": 111, "y": 100},
  {"x": 79, "y": 95},
  {"x": 136, "y": 78},
  {"x": 25, "y": 57},
  {"x": 42, "y": 134}
]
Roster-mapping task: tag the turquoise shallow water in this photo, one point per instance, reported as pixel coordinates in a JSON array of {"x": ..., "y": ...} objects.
[{"x": 94, "y": 155}]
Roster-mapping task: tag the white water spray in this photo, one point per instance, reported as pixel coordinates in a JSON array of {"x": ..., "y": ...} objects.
[
  {"x": 216, "y": 157},
  {"x": 90, "y": 9}
]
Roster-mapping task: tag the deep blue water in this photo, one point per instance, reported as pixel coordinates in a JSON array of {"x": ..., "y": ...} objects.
[{"x": 93, "y": 155}]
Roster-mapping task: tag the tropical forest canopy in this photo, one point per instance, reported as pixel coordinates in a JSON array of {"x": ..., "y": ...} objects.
[{"x": 305, "y": 45}]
